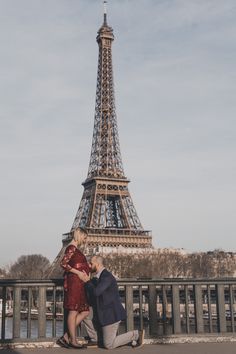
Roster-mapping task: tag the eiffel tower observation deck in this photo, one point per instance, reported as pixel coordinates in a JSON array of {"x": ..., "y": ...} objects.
[{"x": 106, "y": 209}]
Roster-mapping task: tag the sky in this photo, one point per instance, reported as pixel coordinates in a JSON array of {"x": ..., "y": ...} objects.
[{"x": 175, "y": 85}]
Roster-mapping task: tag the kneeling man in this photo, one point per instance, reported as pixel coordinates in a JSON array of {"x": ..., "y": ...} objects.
[{"x": 107, "y": 307}]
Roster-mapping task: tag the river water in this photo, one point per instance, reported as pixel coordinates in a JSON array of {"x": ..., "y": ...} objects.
[
  {"x": 59, "y": 328},
  {"x": 34, "y": 328}
]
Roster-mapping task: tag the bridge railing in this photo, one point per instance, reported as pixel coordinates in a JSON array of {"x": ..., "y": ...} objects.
[{"x": 32, "y": 310}]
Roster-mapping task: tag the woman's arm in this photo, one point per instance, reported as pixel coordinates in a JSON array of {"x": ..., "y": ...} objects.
[{"x": 69, "y": 252}]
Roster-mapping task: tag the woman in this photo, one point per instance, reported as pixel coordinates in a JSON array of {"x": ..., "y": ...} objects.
[{"x": 75, "y": 301}]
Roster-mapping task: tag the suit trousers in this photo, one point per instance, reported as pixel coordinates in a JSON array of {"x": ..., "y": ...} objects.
[
  {"x": 90, "y": 326},
  {"x": 111, "y": 340}
]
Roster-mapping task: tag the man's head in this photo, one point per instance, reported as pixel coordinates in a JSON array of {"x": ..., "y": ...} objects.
[{"x": 97, "y": 263}]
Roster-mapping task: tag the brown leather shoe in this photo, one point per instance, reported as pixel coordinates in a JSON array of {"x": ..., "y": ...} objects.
[
  {"x": 77, "y": 346},
  {"x": 91, "y": 344}
]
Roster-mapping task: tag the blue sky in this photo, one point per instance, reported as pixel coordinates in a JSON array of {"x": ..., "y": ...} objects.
[{"x": 175, "y": 84}]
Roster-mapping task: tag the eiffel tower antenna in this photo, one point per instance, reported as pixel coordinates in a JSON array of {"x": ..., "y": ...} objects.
[{"x": 105, "y": 12}]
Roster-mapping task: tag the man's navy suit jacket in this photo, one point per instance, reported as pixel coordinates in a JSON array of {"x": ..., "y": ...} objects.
[{"x": 105, "y": 300}]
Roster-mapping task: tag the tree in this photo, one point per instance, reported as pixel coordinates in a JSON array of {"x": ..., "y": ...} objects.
[
  {"x": 2, "y": 273},
  {"x": 172, "y": 264},
  {"x": 29, "y": 267}
]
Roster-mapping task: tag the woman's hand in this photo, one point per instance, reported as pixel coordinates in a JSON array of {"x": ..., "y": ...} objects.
[{"x": 83, "y": 276}]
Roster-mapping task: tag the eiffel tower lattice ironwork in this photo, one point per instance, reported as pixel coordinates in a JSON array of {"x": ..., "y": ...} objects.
[{"x": 106, "y": 209}]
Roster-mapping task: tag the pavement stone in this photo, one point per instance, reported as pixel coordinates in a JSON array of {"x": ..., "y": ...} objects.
[{"x": 195, "y": 348}]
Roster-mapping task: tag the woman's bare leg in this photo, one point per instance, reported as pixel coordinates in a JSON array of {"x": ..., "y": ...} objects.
[
  {"x": 71, "y": 323},
  {"x": 66, "y": 337},
  {"x": 80, "y": 316}
]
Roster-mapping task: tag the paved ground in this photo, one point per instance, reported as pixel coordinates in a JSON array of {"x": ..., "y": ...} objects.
[{"x": 198, "y": 348}]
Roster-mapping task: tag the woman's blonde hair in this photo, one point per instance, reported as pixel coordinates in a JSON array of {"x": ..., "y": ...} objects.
[{"x": 77, "y": 235}]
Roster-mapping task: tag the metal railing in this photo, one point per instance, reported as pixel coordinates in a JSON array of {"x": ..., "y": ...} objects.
[{"x": 33, "y": 310}]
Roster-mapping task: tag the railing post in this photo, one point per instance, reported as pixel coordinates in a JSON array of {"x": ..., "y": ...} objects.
[
  {"x": 231, "y": 301},
  {"x": 140, "y": 292},
  {"x": 176, "y": 309},
  {"x": 42, "y": 312},
  {"x": 152, "y": 306},
  {"x": 220, "y": 303},
  {"x": 209, "y": 308},
  {"x": 129, "y": 307},
  {"x": 54, "y": 312},
  {"x": 29, "y": 312},
  {"x": 4, "y": 301},
  {"x": 164, "y": 309},
  {"x": 16, "y": 311},
  {"x": 199, "y": 326},
  {"x": 186, "y": 293}
]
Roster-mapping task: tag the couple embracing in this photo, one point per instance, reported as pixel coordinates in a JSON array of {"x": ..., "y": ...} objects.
[{"x": 94, "y": 301}]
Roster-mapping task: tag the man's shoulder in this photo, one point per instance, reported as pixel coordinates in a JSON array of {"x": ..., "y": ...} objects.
[{"x": 107, "y": 274}]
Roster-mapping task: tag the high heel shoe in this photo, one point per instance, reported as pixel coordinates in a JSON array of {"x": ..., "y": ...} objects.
[{"x": 62, "y": 342}]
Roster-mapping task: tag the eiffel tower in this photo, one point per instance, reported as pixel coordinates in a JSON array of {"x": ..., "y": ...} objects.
[{"x": 106, "y": 209}]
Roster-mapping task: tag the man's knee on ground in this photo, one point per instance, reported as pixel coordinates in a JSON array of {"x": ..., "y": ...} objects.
[{"x": 108, "y": 344}]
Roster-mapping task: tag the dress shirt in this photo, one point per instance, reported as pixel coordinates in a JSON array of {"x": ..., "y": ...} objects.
[{"x": 99, "y": 273}]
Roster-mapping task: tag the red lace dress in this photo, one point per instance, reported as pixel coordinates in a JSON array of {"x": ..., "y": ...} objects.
[{"x": 74, "y": 292}]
